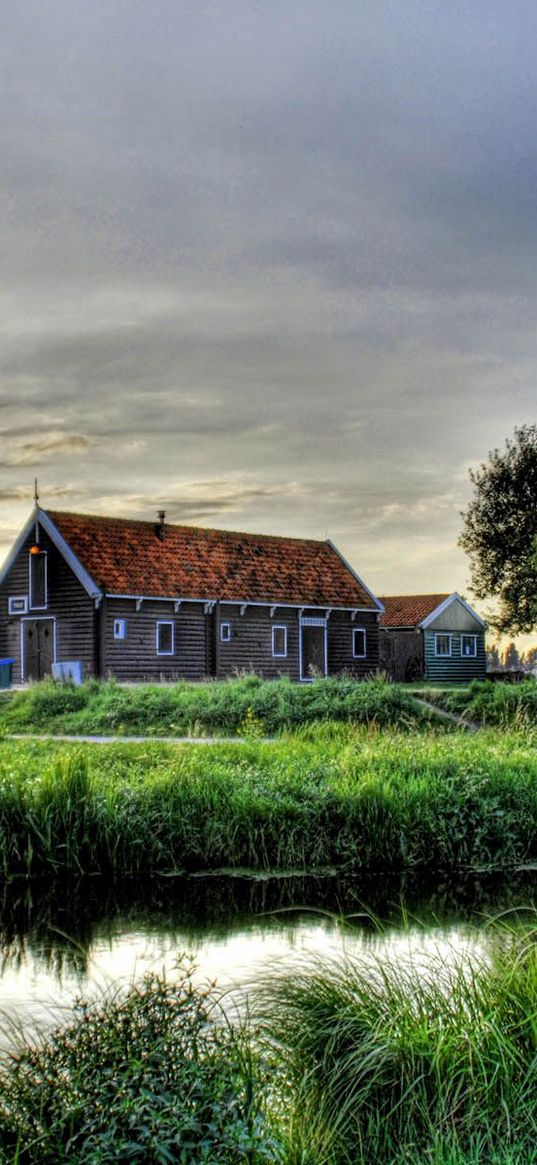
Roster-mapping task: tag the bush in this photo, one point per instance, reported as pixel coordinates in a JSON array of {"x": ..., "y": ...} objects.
[{"x": 156, "y": 1077}]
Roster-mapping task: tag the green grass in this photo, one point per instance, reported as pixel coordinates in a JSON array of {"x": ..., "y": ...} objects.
[
  {"x": 388, "y": 1066},
  {"x": 220, "y": 708},
  {"x": 327, "y": 796},
  {"x": 337, "y": 1064},
  {"x": 502, "y": 705}
]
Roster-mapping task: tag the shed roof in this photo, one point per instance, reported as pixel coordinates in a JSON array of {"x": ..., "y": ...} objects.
[
  {"x": 128, "y": 557},
  {"x": 409, "y": 610}
]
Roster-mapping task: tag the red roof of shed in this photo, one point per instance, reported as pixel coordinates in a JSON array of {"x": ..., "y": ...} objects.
[
  {"x": 408, "y": 610},
  {"x": 127, "y": 557}
]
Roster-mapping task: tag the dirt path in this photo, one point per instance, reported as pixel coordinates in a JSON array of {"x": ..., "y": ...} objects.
[
  {"x": 457, "y": 720},
  {"x": 120, "y": 739}
]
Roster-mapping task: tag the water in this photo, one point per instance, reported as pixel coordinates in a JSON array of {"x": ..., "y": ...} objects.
[{"x": 60, "y": 942}]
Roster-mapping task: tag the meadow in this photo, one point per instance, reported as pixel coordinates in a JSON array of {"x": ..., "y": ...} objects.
[{"x": 327, "y": 795}]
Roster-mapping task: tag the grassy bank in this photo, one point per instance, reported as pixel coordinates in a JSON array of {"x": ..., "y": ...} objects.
[
  {"x": 219, "y": 708},
  {"x": 502, "y": 705},
  {"x": 341, "y": 1065},
  {"x": 331, "y": 795}
]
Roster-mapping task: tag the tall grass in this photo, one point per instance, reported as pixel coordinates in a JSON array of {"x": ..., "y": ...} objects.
[
  {"x": 220, "y": 707},
  {"x": 339, "y": 1064},
  {"x": 387, "y": 1066},
  {"x": 333, "y": 796},
  {"x": 502, "y": 705}
]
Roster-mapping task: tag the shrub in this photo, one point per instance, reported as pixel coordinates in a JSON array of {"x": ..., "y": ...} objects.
[{"x": 155, "y": 1077}]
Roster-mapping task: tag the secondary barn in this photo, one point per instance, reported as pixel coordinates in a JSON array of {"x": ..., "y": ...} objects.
[
  {"x": 433, "y": 637},
  {"x": 155, "y": 601}
]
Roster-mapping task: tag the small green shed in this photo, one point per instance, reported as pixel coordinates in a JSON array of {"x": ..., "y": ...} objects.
[{"x": 432, "y": 637}]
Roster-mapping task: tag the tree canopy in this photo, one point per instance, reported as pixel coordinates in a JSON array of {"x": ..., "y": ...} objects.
[{"x": 500, "y": 532}]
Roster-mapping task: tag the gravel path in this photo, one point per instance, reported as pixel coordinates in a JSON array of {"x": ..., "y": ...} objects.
[{"x": 120, "y": 739}]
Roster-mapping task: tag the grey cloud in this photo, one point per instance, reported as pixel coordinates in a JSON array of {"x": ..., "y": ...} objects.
[{"x": 35, "y": 451}]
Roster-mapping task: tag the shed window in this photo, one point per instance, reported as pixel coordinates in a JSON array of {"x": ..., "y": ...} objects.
[
  {"x": 469, "y": 645},
  {"x": 279, "y": 641},
  {"x": 442, "y": 644},
  {"x": 165, "y": 638},
  {"x": 120, "y": 628},
  {"x": 38, "y": 580},
  {"x": 359, "y": 645},
  {"x": 225, "y": 632}
]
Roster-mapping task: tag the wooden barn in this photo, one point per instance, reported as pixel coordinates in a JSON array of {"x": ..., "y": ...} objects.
[
  {"x": 153, "y": 601},
  {"x": 439, "y": 638}
]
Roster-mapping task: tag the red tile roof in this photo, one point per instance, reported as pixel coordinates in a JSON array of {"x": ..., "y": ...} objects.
[
  {"x": 408, "y": 610},
  {"x": 127, "y": 557}
]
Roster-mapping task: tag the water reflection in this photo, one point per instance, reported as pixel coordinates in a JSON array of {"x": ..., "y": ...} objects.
[{"x": 57, "y": 942}]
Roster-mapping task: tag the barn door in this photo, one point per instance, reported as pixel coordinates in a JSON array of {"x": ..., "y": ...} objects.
[
  {"x": 313, "y": 649},
  {"x": 38, "y": 648}
]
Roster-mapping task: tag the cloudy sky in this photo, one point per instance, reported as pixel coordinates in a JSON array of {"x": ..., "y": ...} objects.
[{"x": 268, "y": 264}]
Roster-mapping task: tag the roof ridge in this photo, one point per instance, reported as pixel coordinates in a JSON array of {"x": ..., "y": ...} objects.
[{"x": 185, "y": 526}]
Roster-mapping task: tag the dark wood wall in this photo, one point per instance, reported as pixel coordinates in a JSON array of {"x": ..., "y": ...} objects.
[
  {"x": 68, "y": 603},
  {"x": 250, "y": 646},
  {"x": 135, "y": 657},
  {"x": 401, "y": 654},
  {"x": 340, "y": 639}
]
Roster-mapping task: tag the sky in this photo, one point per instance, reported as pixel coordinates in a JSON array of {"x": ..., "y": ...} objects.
[{"x": 269, "y": 266}]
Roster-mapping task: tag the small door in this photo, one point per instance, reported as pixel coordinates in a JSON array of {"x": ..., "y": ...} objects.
[
  {"x": 313, "y": 641},
  {"x": 38, "y": 648}
]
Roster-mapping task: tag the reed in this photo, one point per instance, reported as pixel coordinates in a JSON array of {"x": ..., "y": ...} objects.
[{"x": 387, "y": 1066}]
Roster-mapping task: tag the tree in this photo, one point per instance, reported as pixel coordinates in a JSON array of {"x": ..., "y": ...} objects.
[
  {"x": 529, "y": 659},
  {"x": 510, "y": 660},
  {"x": 493, "y": 657},
  {"x": 500, "y": 532}
]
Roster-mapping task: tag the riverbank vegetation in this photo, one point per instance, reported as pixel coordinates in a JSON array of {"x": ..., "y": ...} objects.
[
  {"x": 502, "y": 705},
  {"x": 327, "y": 796},
  {"x": 342, "y": 1064},
  {"x": 220, "y": 708}
]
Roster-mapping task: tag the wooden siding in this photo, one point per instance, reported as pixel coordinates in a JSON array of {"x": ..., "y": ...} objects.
[
  {"x": 455, "y": 617},
  {"x": 401, "y": 654},
  {"x": 250, "y": 645},
  {"x": 454, "y": 668},
  {"x": 68, "y": 603},
  {"x": 340, "y": 640},
  {"x": 135, "y": 658}
]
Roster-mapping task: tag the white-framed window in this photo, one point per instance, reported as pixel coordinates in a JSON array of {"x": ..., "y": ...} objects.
[
  {"x": 120, "y": 628},
  {"x": 469, "y": 646},
  {"x": 165, "y": 637},
  {"x": 442, "y": 643},
  {"x": 225, "y": 632},
  {"x": 17, "y": 604},
  {"x": 359, "y": 643},
  {"x": 279, "y": 641},
  {"x": 38, "y": 580}
]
